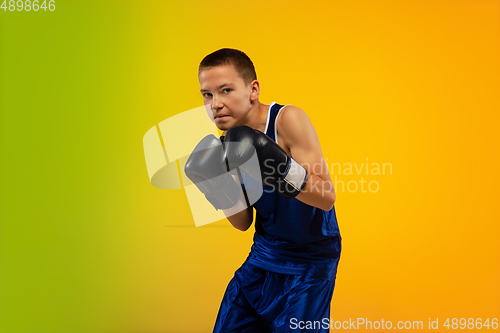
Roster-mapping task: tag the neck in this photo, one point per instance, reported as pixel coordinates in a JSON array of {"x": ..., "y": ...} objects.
[{"x": 258, "y": 116}]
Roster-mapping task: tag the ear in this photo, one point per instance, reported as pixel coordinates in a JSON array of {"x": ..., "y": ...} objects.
[{"x": 255, "y": 92}]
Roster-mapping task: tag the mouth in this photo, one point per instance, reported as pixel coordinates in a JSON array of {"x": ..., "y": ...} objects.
[{"x": 221, "y": 116}]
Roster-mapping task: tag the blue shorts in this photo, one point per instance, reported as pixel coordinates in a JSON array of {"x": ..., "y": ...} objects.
[{"x": 258, "y": 301}]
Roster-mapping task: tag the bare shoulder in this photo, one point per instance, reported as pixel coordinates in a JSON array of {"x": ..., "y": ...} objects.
[
  {"x": 293, "y": 125},
  {"x": 292, "y": 114}
]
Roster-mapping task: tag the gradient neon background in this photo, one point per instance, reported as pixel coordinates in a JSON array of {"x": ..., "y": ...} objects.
[{"x": 88, "y": 245}]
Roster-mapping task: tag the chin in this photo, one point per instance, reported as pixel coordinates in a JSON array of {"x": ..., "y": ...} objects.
[{"x": 224, "y": 126}]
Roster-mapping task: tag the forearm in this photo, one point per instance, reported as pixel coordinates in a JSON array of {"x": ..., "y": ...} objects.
[
  {"x": 240, "y": 215},
  {"x": 318, "y": 193},
  {"x": 242, "y": 220}
]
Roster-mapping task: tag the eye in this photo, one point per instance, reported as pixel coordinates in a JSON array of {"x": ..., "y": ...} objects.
[
  {"x": 207, "y": 95},
  {"x": 228, "y": 89}
]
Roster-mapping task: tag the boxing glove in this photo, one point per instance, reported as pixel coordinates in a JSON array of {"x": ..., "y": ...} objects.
[
  {"x": 277, "y": 169},
  {"x": 204, "y": 169}
]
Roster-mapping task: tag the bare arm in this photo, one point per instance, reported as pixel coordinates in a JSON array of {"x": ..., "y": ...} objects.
[
  {"x": 300, "y": 137},
  {"x": 244, "y": 218}
]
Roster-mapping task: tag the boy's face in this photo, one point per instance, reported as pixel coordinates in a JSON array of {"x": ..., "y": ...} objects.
[{"x": 227, "y": 94}]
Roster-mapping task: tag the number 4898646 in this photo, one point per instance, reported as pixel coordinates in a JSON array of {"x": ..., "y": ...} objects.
[{"x": 28, "y": 5}]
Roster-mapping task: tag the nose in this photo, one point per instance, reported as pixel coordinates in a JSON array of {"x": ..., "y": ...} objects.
[{"x": 216, "y": 103}]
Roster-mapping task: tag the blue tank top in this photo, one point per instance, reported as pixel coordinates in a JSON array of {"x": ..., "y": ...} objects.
[{"x": 292, "y": 237}]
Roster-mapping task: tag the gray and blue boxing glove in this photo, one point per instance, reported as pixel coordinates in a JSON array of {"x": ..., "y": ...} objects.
[
  {"x": 276, "y": 169},
  {"x": 204, "y": 169}
]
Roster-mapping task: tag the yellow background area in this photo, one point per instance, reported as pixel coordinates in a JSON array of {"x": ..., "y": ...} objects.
[{"x": 89, "y": 245}]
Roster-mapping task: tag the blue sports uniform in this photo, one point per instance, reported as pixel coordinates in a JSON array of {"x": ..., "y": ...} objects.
[{"x": 291, "y": 269}]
